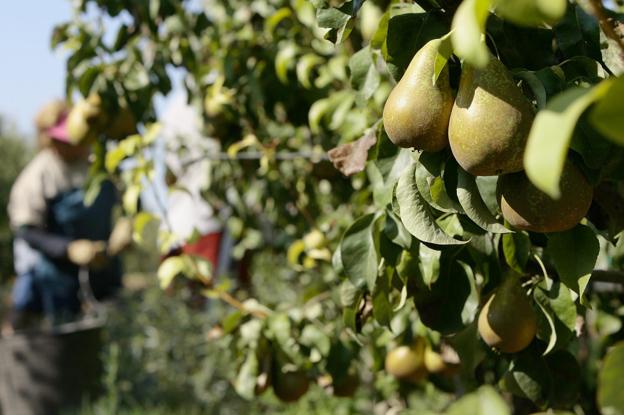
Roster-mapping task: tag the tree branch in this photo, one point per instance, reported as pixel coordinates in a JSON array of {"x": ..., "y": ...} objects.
[
  {"x": 611, "y": 276},
  {"x": 606, "y": 22}
]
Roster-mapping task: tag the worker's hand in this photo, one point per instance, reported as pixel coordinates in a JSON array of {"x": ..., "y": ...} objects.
[
  {"x": 84, "y": 252},
  {"x": 121, "y": 237}
]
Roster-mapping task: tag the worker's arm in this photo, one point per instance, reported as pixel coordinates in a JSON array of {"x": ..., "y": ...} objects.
[{"x": 51, "y": 245}]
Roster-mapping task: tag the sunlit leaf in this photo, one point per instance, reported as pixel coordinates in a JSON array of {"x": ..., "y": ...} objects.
[
  {"x": 610, "y": 396},
  {"x": 549, "y": 139},
  {"x": 415, "y": 213},
  {"x": 468, "y": 29}
]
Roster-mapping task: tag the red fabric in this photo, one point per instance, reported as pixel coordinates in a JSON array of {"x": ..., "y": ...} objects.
[{"x": 206, "y": 246}]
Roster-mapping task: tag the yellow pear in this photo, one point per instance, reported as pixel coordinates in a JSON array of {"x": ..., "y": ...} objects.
[{"x": 407, "y": 362}]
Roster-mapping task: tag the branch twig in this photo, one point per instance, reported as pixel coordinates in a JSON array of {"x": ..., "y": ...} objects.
[
  {"x": 605, "y": 22},
  {"x": 611, "y": 276}
]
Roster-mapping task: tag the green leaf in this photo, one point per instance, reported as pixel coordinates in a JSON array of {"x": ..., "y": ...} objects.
[
  {"x": 169, "y": 269},
  {"x": 364, "y": 74},
  {"x": 313, "y": 336},
  {"x": 549, "y": 139},
  {"x": 445, "y": 50},
  {"x": 578, "y": 34},
  {"x": 232, "y": 321},
  {"x": 452, "y": 301},
  {"x": 305, "y": 66},
  {"x": 531, "y": 12},
  {"x": 574, "y": 253},
  {"x": 285, "y": 60},
  {"x": 516, "y": 249},
  {"x": 407, "y": 33},
  {"x": 429, "y": 264},
  {"x": 528, "y": 377},
  {"x": 608, "y": 114},
  {"x": 610, "y": 396},
  {"x": 483, "y": 401},
  {"x": 396, "y": 232},
  {"x": 566, "y": 375},
  {"x": 416, "y": 215},
  {"x": 382, "y": 309},
  {"x": 431, "y": 186},
  {"x": 557, "y": 303},
  {"x": 359, "y": 253},
  {"x": 245, "y": 384},
  {"x": 474, "y": 206},
  {"x": 468, "y": 28},
  {"x": 131, "y": 198},
  {"x": 276, "y": 17},
  {"x": 468, "y": 347}
]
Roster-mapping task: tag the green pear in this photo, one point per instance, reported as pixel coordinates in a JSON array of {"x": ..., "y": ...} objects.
[
  {"x": 507, "y": 322},
  {"x": 417, "y": 111},
  {"x": 490, "y": 121}
]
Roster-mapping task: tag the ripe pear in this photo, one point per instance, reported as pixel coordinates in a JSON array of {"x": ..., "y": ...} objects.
[
  {"x": 507, "y": 322},
  {"x": 417, "y": 111},
  {"x": 526, "y": 207},
  {"x": 490, "y": 121},
  {"x": 407, "y": 362},
  {"x": 85, "y": 120}
]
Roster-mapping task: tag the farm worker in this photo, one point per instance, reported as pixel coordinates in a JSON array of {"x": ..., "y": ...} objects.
[{"x": 56, "y": 232}]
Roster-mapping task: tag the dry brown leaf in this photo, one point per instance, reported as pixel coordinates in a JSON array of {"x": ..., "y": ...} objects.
[{"x": 351, "y": 158}]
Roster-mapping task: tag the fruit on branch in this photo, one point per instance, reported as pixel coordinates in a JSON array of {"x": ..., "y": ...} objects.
[
  {"x": 490, "y": 121},
  {"x": 507, "y": 322},
  {"x": 436, "y": 363},
  {"x": 417, "y": 111},
  {"x": 85, "y": 119},
  {"x": 526, "y": 207},
  {"x": 407, "y": 362},
  {"x": 290, "y": 385}
]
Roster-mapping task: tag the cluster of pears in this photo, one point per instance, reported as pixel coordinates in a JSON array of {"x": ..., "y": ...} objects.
[
  {"x": 89, "y": 118},
  {"x": 414, "y": 362},
  {"x": 508, "y": 322},
  {"x": 486, "y": 125}
]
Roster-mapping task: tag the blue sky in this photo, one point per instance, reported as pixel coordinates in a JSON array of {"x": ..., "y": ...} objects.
[{"x": 30, "y": 73}]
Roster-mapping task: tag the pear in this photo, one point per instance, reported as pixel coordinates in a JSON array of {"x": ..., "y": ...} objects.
[
  {"x": 417, "y": 111},
  {"x": 290, "y": 385},
  {"x": 85, "y": 120},
  {"x": 490, "y": 121},
  {"x": 526, "y": 207},
  {"x": 507, "y": 322},
  {"x": 407, "y": 362}
]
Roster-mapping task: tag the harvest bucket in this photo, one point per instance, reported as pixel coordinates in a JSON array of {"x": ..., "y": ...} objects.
[{"x": 43, "y": 371}]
